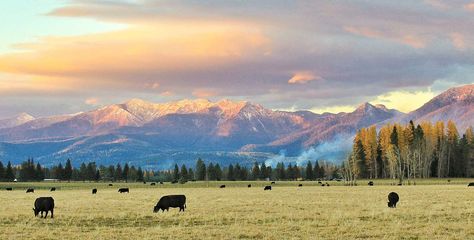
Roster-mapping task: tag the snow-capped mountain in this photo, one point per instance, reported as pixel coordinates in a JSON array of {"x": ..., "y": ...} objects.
[
  {"x": 153, "y": 133},
  {"x": 15, "y": 120}
]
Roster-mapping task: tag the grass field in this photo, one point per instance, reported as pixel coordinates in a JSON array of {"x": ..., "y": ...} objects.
[{"x": 433, "y": 209}]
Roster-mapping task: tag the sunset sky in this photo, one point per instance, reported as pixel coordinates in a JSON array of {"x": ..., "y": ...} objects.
[{"x": 59, "y": 57}]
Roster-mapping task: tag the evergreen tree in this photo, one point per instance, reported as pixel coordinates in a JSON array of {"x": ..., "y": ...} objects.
[
  {"x": 59, "y": 173},
  {"x": 184, "y": 174},
  {"x": 309, "y": 171},
  {"x": 230, "y": 173},
  {"x": 118, "y": 172},
  {"x": 125, "y": 172},
  {"x": 9, "y": 173},
  {"x": 255, "y": 171},
  {"x": 176, "y": 173},
  {"x": 200, "y": 170},
  {"x": 140, "y": 175},
  {"x": 68, "y": 170},
  {"x": 2, "y": 171},
  {"x": 218, "y": 172}
]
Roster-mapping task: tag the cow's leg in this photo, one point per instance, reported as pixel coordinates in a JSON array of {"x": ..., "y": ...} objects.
[{"x": 52, "y": 213}]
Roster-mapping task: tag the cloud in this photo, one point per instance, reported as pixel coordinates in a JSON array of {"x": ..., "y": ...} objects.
[
  {"x": 469, "y": 6},
  {"x": 92, "y": 101},
  {"x": 406, "y": 39},
  {"x": 303, "y": 77},
  {"x": 458, "y": 41}
]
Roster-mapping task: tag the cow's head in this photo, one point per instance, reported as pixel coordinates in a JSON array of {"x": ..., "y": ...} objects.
[
  {"x": 35, "y": 211},
  {"x": 156, "y": 209}
]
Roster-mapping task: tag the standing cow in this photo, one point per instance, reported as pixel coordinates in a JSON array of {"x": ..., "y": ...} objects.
[
  {"x": 171, "y": 201},
  {"x": 393, "y": 199},
  {"x": 44, "y": 204}
]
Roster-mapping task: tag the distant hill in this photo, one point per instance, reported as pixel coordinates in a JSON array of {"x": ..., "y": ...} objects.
[{"x": 158, "y": 134}]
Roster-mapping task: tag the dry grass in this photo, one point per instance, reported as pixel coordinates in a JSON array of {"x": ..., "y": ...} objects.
[{"x": 286, "y": 212}]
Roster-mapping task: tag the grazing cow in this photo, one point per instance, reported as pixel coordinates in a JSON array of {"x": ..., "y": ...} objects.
[
  {"x": 110, "y": 184},
  {"x": 250, "y": 185},
  {"x": 371, "y": 183},
  {"x": 471, "y": 184},
  {"x": 31, "y": 190},
  {"x": 44, "y": 204},
  {"x": 94, "y": 191},
  {"x": 123, "y": 190},
  {"x": 171, "y": 201},
  {"x": 300, "y": 185},
  {"x": 393, "y": 199},
  {"x": 267, "y": 188},
  {"x": 9, "y": 189},
  {"x": 222, "y": 186},
  {"x": 273, "y": 183},
  {"x": 53, "y": 189},
  {"x": 152, "y": 184}
]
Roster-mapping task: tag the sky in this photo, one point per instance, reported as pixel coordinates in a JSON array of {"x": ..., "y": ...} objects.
[{"x": 67, "y": 56}]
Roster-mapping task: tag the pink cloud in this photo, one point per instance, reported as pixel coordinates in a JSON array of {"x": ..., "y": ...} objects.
[{"x": 303, "y": 77}]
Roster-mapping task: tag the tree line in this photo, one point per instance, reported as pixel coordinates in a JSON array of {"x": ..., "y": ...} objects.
[
  {"x": 29, "y": 171},
  {"x": 407, "y": 152}
]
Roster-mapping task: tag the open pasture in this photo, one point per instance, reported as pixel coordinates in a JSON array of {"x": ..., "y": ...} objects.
[{"x": 425, "y": 211}]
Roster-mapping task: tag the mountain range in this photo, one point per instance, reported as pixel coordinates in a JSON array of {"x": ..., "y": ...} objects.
[{"x": 156, "y": 135}]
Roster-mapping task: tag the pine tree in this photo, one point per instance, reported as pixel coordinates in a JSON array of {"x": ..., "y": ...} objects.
[
  {"x": 68, "y": 170},
  {"x": 2, "y": 171},
  {"x": 255, "y": 171},
  {"x": 183, "y": 174},
  {"x": 9, "y": 173},
  {"x": 125, "y": 172},
  {"x": 200, "y": 170},
  {"x": 176, "y": 173},
  {"x": 309, "y": 171},
  {"x": 118, "y": 172},
  {"x": 230, "y": 173}
]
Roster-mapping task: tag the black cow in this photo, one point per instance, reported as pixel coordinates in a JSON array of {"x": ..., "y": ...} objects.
[
  {"x": 9, "y": 189},
  {"x": 267, "y": 188},
  {"x": 273, "y": 183},
  {"x": 300, "y": 185},
  {"x": 250, "y": 185},
  {"x": 123, "y": 190},
  {"x": 371, "y": 183},
  {"x": 31, "y": 190},
  {"x": 393, "y": 199},
  {"x": 471, "y": 184},
  {"x": 53, "y": 189},
  {"x": 44, "y": 204},
  {"x": 94, "y": 191},
  {"x": 110, "y": 184},
  {"x": 222, "y": 186},
  {"x": 171, "y": 201}
]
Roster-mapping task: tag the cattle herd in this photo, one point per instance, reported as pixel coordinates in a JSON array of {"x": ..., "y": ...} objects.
[{"x": 46, "y": 204}]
